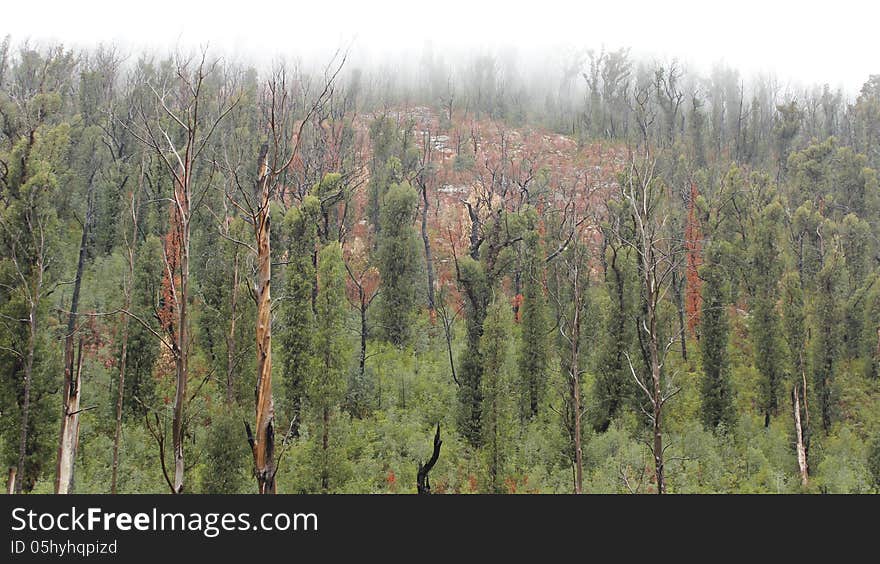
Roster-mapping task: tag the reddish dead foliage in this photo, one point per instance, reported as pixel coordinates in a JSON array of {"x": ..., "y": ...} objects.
[{"x": 694, "y": 248}]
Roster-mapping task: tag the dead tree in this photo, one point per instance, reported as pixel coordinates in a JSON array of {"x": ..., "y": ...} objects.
[
  {"x": 423, "y": 484},
  {"x": 424, "y": 176},
  {"x": 659, "y": 256},
  {"x": 572, "y": 273},
  {"x": 68, "y": 436},
  {"x": 177, "y": 130},
  {"x": 275, "y": 159}
]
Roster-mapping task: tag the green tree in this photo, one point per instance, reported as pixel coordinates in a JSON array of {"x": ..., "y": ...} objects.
[
  {"x": 332, "y": 351},
  {"x": 826, "y": 340},
  {"x": 765, "y": 324},
  {"x": 534, "y": 354},
  {"x": 497, "y": 394},
  {"x": 714, "y": 336},
  {"x": 399, "y": 260},
  {"x": 294, "y": 331}
]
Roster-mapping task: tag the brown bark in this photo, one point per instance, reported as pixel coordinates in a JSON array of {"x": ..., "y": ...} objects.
[
  {"x": 263, "y": 444},
  {"x": 10, "y": 481}
]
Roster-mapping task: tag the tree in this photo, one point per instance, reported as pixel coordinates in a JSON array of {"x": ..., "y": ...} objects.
[
  {"x": 714, "y": 335},
  {"x": 29, "y": 225},
  {"x": 327, "y": 382},
  {"x": 765, "y": 324},
  {"x": 399, "y": 261},
  {"x": 423, "y": 483},
  {"x": 659, "y": 255},
  {"x": 826, "y": 340},
  {"x": 534, "y": 354},
  {"x": 496, "y": 393},
  {"x": 296, "y": 314},
  {"x": 68, "y": 437},
  {"x": 175, "y": 114},
  {"x": 795, "y": 330}
]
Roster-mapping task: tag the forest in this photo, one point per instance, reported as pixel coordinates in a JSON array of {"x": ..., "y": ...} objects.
[{"x": 604, "y": 274}]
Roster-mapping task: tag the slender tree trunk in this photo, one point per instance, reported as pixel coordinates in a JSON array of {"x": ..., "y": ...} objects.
[
  {"x": 123, "y": 357},
  {"x": 263, "y": 444},
  {"x": 801, "y": 450},
  {"x": 71, "y": 391},
  {"x": 120, "y": 396},
  {"x": 230, "y": 336},
  {"x": 654, "y": 354},
  {"x": 182, "y": 333},
  {"x": 429, "y": 261},
  {"x": 28, "y": 372},
  {"x": 677, "y": 282},
  {"x": 575, "y": 383},
  {"x": 10, "y": 481},
  {"x": 362, "y": 357}
]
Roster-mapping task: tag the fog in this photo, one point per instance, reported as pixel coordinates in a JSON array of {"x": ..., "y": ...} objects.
[{"x": 797, "y": 41}]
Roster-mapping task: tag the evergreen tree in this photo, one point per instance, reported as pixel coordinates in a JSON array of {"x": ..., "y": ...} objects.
[
  {"x": 826, "y": 340},
  {"x": 332, "y": 354},
  {"x": 714, "y": 336},
  {"x": 533, "y": 350},
  {"x": 226, "y": 456},
  {"x": 612, "y": 387},
  {"x": 294, "y": 331},
  {"x": 496, "y": 392},
  {"x": 143, "y": 348},
  {"x": 399, "y": 260},
  {"x": 765, "y": 323}
]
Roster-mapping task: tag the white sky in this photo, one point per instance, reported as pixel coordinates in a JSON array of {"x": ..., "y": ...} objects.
[{"x": 834, "y": 41}]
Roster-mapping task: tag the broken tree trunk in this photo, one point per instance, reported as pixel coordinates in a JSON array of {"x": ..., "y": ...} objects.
[
  {"x": 70, "y": 432},
  {"x": 801, "y": 450},
  {"x": 67, "y": 437},
  {"x": 423, "y": 483},
  {"x": 263, "y": 444}
]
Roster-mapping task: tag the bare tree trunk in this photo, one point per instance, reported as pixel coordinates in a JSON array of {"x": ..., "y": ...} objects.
[
  {"x": 182, "y": 341},
  {"x": 429, "y": 260},
  {"x": 71, "y": 391},
  {"x": 801, "y": 450},
  {"x": 10, "y": 481},
  {"x": 69, "y": 428},
  {"x": 263, "y": 444},
  {"x": 575, "y": 383},
  {"x": 123, "y": 357},
  {"x": 657, "y": 448},
  {"x": 230, "y": 336},
  {"x": 423, "y": 483}
]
